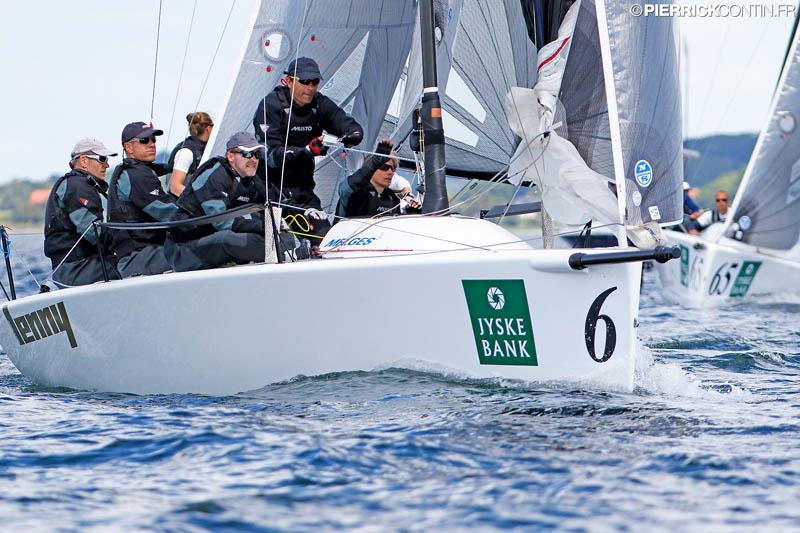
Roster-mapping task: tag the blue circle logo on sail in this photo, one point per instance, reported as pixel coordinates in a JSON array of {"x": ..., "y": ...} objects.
[{"x": 643, "y": 173}]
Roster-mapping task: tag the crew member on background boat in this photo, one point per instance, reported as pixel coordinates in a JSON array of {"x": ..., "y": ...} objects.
[
  {"x": 185, "y": 157},
  {"x": 718, "y": 214},
  {"x": 135, "y": 195},
  {"x": 73, "y": 206},
  {"x": 292, "y": 148},
  {"x": 367, "y": 191},
  {"x": 691, "y": 211},
  {"x": 221, "y": 183}
]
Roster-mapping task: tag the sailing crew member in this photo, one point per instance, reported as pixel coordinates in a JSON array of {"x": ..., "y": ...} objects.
[
  {"x": 185, "y": 157},
  {"x": 718, "y": 214},
  {"x": 135, "y": 195},
  {"x": 73, "y": 206},
  {"x": 221, "y": 183},
  {"x": 367, "y": 192},
  {"x": 292, "y": 148}
]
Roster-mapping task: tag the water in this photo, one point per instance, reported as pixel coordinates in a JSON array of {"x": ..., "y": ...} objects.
[{"x": 708, "y": 440}]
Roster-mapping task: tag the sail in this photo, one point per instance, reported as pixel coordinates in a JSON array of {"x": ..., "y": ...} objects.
[
  {"x": 361, "y": 47},
  {"x": 640, "y": 64},
  {"x": 483, "y": 51},
  {"x": 766, "y": 209}
]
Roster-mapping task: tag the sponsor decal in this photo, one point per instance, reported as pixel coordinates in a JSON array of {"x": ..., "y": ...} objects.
[
  {"x": 302, "y": 128},
  {"x": 684, "y": 265},
  {"x": 655, "y": 214},
  {"x": 643, "y": 173},
  {"x": 83, "y": 200},
  {"x": 501, "y": 321},
  {"x": 745, "y": 277},
  {"x": 42, "y": 323},
  {"x": 243, "y": 198},
  {"x": 355, "y": 241},
  {"x": 155, "y": 192}
]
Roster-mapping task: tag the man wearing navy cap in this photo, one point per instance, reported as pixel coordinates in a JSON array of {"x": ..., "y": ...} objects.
[
  {"x": 135, "y": 195},
  {"x": 220, "y": 184},
  {"x": 75, "y": 204},
  {"x": 293, "y": 147}
]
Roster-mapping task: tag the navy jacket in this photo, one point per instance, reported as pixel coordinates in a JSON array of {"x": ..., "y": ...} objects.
[
  {"x": 308, "y": 121},
  {"x": 135, "y": 195},
  {"x": 74, "y": 205},
  {"x": 359, "y": 198},
  {"x": 216, "y": 188}
]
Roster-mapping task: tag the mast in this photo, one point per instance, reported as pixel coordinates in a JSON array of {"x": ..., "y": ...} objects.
[{"x": 431, "y": 118}]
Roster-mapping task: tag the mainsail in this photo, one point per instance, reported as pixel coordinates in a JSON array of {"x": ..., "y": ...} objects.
[
  {"x": 361, "y": 47},
  {"x": 766, "y": 209}
]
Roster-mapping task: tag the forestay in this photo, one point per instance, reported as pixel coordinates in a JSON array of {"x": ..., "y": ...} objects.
[
  {"x": 766, "y": 209},
  {"x": 361, "y": 47}
]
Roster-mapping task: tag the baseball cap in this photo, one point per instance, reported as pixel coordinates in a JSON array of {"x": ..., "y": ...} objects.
[
  {"x": 244, "y": 142},
  {"x": 138, "y": 129},
  {"x": 303, "y": 68},
  {"x": 686, "y": 186},
  {"x": 88, "y": 145}
]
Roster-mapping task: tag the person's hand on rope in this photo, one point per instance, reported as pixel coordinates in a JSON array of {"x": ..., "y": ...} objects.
[
  {"x": 409, "y": 202},
  {"x": 316, "y": 148},
  {"x": 315, "y": 214},
  {"x": 351, "y": 139}
]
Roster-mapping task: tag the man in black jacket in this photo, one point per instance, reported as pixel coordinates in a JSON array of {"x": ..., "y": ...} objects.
[
  {"x": 367, "y": 192},
  {"x": 73, "y": 207},
  {"x": 220, "y": 184},
  {"x": 293, "y": 146},
  {"x": 135, "y": 195}
]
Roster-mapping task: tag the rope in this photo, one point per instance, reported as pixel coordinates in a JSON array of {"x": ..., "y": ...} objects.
[
  {"x": 91, "y": 226},
  {"x": 214, "y": 57},
  {"x": 27, "y": 267},
  {"x": 291, "y": 99},
  {"x": 180, "y": 77},
  {"x": 155, "y": 65}
]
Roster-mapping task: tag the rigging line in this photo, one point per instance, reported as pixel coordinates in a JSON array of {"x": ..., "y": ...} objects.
[
  {"x": 91, "y": 226},
  {"x": 214, "y": 57},
  {"x": 155, "y": 65},
  {"x": 27, "y": 267},
  {"x": 180, "y": 77},
  {"x": 724, "y": 114},
  {"x": 291, "y": 98}
]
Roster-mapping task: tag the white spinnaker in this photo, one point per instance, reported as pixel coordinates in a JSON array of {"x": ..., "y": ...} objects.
[
  {"x": 360, "y": 46},
  {"x": 769, "y": 193}
]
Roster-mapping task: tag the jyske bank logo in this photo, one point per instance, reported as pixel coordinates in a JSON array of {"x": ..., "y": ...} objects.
[{"x": 501, "y": 321}]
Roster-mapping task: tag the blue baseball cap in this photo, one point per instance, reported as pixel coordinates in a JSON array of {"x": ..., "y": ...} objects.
[
  {"x": 303, "y": 68},
  {"x": 138, "y": 129}
]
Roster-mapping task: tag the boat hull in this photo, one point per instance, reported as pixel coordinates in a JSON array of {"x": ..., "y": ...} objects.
[
  {"x": 714, "y": 273},
  {"x": 224, "y": 331}
]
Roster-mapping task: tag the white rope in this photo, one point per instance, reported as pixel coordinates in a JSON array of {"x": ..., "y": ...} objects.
[
  {"x": 28, "y": 268},
  {"x": 91, "y": 226},
  {"x": 180, "y": 77},
  {"x": 155, "y": 65}
]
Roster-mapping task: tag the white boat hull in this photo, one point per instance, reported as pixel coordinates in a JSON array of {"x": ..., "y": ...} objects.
[
  {"x": 713, "y": 273},
  {"x": 229, "y": 330}
]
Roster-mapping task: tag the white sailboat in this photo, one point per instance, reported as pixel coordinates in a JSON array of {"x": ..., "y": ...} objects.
[
  {"x": 437, "y": 291},
  {"x": 756, "y": 251}
]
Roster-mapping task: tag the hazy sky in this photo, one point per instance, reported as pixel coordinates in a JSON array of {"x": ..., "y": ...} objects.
[{"x": 85, "y": 68}]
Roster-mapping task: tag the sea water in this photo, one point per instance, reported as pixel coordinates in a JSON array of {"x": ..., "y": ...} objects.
[{"x": 709, "y": 440}]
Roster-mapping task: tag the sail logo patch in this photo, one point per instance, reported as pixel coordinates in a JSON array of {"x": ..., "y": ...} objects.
[
  {"x": 42, "y": 323},
  {"x": 643, "y": 173},
  {"x": 501, "y": 321}
]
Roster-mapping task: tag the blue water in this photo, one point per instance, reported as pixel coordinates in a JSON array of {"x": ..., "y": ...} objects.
[{"x": 709, "y": 440}]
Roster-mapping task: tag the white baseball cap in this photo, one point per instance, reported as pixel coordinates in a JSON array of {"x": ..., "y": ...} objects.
[{"x": 91, "y": 146}]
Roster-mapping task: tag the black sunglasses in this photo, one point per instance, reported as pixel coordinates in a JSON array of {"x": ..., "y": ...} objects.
[
  {"x": 147, "y": 140},
  {"x": 721, "y": 200},
  {"x": 386, "y": 167},
  {"x": 100, "y": 158},
  {"x": 247, "y": 155},
  {"x": 312, "y": 81}
]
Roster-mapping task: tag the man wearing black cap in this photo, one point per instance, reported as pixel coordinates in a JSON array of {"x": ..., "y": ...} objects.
[
  {"x": 136, "y": 195},
  {"x": 73, "y": 206},
  {"x": 311, "y": 113},
  {"x": 220, "y": 184}
]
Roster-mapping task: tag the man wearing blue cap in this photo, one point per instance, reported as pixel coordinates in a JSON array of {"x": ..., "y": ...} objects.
[
  {"x": 75, "y": 204},
  {"x": 293, "y": 146},
  {"x": 135, "y": 195},
  {"x": 220, "y": 184}
]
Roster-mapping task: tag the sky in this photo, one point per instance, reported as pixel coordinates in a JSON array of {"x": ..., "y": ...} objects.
[{"x": 84, "y": 68}]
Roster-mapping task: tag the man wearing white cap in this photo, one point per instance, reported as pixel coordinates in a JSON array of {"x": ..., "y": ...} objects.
[
  {"x": 220, "y": 184},
  {"x": 73, "y": 207}
]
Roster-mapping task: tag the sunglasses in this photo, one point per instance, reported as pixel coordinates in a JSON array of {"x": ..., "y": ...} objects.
[
  {"x": 313, "y": 81},
  {"x": 248, "y": 155},
  {"x": 721, "y": 200},
  {"x": 147, "y": 140},
  {"x": 100, "y": 158},
  {"x": 386, "y": 167}
]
